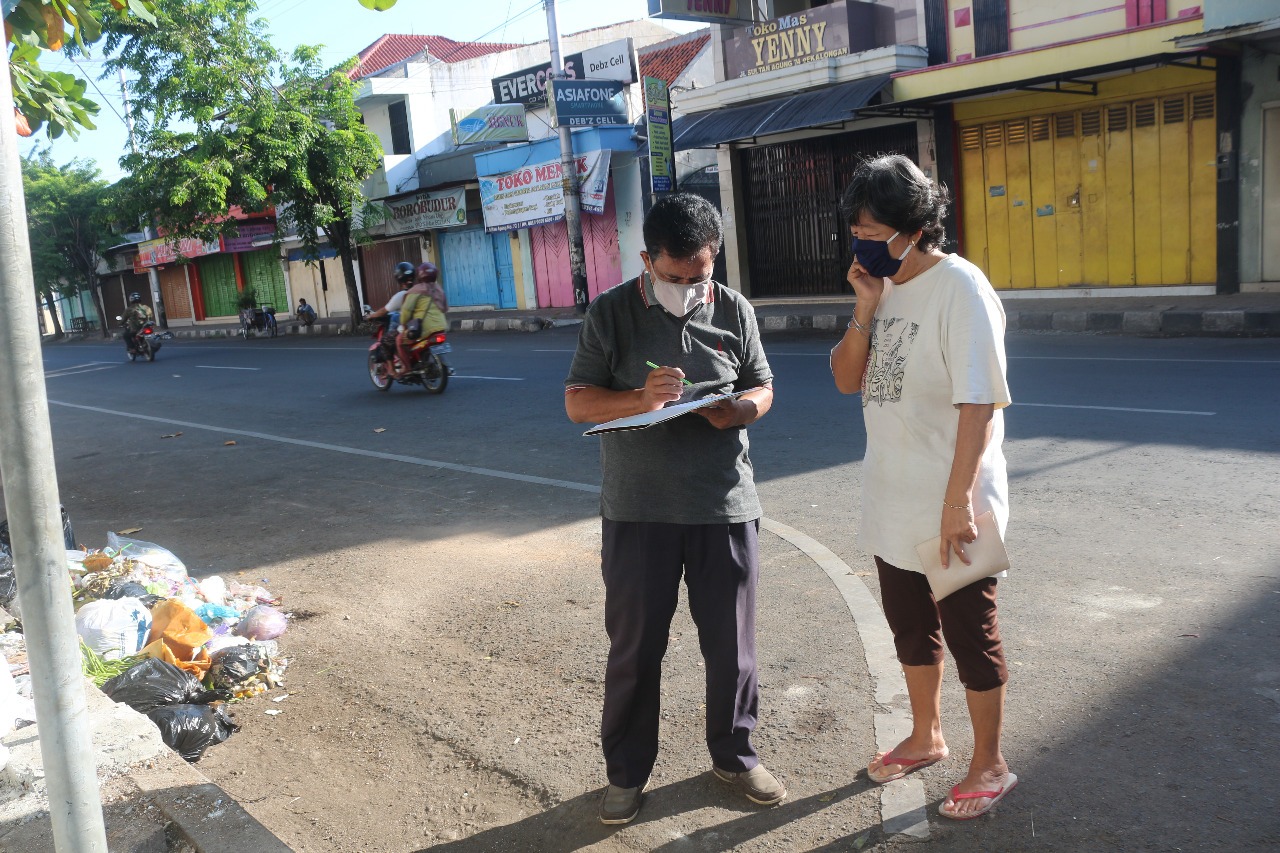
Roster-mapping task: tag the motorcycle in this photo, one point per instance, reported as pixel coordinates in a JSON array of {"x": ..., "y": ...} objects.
[
  {"x": 146, "y": 343},
  {"x": 426, "y": 365}
]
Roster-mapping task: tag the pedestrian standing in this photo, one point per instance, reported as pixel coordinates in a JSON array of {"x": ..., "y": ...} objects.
[
  {"x": 678, "y": 498},
  {"x": 926, "y": 350}
]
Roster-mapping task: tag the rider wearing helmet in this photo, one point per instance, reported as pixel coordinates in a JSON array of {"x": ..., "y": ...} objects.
[
  {"x": 404, "y": 275},
  {"x": 138, "y": 315},
  {"x": 424, "y": 307}
]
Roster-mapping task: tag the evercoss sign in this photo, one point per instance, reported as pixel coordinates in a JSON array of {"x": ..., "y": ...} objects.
[{"x": 612, "y": 61}]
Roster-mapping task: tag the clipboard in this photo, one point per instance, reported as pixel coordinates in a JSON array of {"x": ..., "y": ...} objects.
[{"x": 658, "y": 416}]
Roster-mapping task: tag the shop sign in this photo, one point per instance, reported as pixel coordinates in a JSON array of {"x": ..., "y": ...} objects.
[
  {"x": 819, "y": 33},
  {"x": 246, "y": 235},
  {"x": 612, "y": 61},
  {"x": 587, "y": 103},
  {"x": 156, "y": 253},
  {"x": 493, "y": 123},
  {"x": 707, "y": 11},
  {"x": 657, "y": 102},
  {"x": 427, "y": 211},
  {"x": 534, "y": 195}
]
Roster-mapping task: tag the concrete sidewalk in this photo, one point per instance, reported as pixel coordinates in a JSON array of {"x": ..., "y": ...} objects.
[
  {"x": 153, "y": 801},
  {"x": 1234, "y": 315}
]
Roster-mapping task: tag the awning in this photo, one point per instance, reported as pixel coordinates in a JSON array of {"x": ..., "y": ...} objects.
[
  {"x": 452, "y": 167},
  {"x": 831, "y": 105},
  {"x": 1264, "y": 35}
]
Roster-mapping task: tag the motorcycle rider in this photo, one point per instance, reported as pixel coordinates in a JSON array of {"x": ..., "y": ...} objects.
[
  {"x": 138, "y": 315},
  {"x": 404, "y": 276},
  {"x": 423, "y": 312}
]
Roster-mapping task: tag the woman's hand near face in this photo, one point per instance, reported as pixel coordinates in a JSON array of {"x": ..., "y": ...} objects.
[{"x": 867, "y": 287}]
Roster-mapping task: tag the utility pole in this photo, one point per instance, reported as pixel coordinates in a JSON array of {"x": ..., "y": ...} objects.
[
  {"x": 35, "y": 525},
  {"x": 153, "y": 278},
  {"x": 568, "y": 177}
]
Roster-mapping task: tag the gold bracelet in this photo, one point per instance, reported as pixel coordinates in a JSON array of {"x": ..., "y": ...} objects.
[{"x": 968, "y": 507}]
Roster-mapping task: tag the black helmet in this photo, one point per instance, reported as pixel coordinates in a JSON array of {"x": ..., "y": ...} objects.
[
  {"x": 135, "y": 297},
  {"x": 427, "y": 272},
  {"x": 404, "y": 272}
]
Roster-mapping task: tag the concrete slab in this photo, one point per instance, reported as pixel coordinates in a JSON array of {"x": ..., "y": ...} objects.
[
  {"x": 1069, "y": 321},
  {"x": 1141, "y": 323}
]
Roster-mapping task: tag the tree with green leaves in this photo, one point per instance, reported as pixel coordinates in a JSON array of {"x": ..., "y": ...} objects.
[
  {"x": 223, "y": 120},
  {"x": 68, "y": 225},
  {"x": 56, "y": 100}
]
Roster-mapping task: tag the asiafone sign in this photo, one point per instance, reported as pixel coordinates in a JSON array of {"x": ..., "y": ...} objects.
[
  {"x": 493, "y": 123},
  {"x": 427, "y": 211},
  {"x": 534, "y": 195},
  {"x": 587, "y": 103},
  {"x": 156, "y": 253}
]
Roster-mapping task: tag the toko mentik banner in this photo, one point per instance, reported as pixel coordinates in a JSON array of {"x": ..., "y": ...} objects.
[
  {"x": 426, "y": 211},
  {"x": 534, "y": 195}
]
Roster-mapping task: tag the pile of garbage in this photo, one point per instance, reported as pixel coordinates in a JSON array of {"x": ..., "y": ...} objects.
[{"x": 175, "y": 648}]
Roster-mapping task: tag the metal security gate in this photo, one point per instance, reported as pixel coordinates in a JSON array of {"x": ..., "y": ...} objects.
[
  {"x": 797, "y": 240},
  {"x": 477, "y": 268}
]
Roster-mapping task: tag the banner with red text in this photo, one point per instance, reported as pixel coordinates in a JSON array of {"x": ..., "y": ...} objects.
[{"x": 534, "y": 195}]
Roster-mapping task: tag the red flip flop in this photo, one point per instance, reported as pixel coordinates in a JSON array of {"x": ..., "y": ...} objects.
[
  {"x": 908, "y": 765},
  {"x": 995, "y": 796}
]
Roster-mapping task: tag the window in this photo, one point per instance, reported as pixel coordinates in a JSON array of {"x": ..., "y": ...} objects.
[
  {"x": 399, "y": 115},
  {"x": 990, "y": 27}
]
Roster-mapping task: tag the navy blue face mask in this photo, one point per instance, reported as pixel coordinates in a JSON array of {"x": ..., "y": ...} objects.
[{"x": 875, "y": 258}]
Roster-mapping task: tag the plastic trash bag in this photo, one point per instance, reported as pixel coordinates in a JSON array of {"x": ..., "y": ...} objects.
[
  {"x": 214, "y": 613},
  {"x": 235, "y": 664},
  {"x": 149, "y": 554},
  {"x": 263, "y": 622},
  {"x": 8, "y": 581},
  {"x": 191, "y": 729},
  {"x": 154, "y": 684},
  {"x": 68, "y": 536},
  {"x": 114, "y": 628},
  {"x": 213, "y": 589},
  {"x": 126, "y": 589}
]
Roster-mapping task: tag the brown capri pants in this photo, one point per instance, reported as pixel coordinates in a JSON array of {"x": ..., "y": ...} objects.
[{"x": 966, "y": 618}]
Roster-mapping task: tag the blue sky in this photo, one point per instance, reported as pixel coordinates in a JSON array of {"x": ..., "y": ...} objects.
[{"x": 345, "y": 27}]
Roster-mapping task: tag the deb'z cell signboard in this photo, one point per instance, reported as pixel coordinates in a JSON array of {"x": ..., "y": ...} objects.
[
  {"x": 586, "y": 103},
  {"x": 657, "y": 102}
]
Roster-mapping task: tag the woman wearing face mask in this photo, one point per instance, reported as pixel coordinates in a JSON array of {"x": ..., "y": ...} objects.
[{"x": 926, "y": 351}]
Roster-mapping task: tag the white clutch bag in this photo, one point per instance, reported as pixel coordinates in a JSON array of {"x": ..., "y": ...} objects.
[{"x": 986, "y": 555}]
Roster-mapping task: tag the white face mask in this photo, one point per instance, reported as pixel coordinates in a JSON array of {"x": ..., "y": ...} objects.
[{"x": 679, "y": 299}]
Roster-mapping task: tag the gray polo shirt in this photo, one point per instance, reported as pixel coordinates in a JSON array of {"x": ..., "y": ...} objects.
[{"x": 684, "y": 471}]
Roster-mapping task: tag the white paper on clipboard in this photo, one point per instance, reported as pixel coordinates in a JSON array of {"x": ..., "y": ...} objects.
[{"x": 648, "y": 419}]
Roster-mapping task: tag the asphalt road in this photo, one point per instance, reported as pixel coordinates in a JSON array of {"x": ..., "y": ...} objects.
[{"x": 1139, "y": 617}]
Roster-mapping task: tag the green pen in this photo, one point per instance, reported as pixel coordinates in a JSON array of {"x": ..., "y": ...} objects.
[{"x": 656, "y": 367}]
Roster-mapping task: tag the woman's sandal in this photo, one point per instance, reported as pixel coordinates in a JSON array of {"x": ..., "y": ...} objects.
[
  {"x": 995, "y": 796},
  {"x": 908, "y": 765}
]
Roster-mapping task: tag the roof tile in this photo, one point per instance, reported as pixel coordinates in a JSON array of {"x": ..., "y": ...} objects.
[
  {"x": 668, "y": 63},
  {"x": 393, "y": 48}
]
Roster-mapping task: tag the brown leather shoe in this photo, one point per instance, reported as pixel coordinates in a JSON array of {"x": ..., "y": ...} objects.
[
  {"x": 757, "y": 785},
  {"x": 621, "y": 805}
]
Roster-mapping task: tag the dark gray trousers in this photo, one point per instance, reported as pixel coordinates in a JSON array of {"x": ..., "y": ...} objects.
[{"x": 642, "y": 565}]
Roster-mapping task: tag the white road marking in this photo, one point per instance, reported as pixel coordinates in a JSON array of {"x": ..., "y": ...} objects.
[
  {"x": 902, "y": 803},
  {"x": 1117, "y": 409},
  {"x": 80, "y": 368},
  {"x": 338, "y": 448},
  {"x": 555, "y": 350},
  {"x": 1171, "y": 360},
  {"x": 217, "y": 367},
  {"x": 477, "y": 349},
  {"x": 496, "y": 378}
]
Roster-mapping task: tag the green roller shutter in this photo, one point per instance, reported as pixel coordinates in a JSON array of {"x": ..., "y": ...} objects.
[
  {"x": 262, "y": 272},
  {"x": 218, "y": 284}
]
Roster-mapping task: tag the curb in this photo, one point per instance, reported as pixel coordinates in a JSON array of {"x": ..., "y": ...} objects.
[{"x": 1150, "y": 323}]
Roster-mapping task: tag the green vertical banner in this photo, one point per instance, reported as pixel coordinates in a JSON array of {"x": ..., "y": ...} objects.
[{"x": 662, "y": 164}]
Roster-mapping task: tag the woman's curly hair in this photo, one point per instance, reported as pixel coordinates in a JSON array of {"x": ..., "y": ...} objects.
[{"x": 892, "y": 190}]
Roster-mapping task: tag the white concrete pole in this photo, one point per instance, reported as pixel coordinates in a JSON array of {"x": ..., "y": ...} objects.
[
  {"x": 35, "y": 525},
  {"x": 569, "y": 178}
]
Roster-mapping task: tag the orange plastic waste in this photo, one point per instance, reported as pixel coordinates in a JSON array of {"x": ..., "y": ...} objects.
[{"x": 178, "y": 636}]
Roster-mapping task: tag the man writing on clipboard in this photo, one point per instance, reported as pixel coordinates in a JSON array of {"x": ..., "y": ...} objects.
[{"x": 678, "y": 498}]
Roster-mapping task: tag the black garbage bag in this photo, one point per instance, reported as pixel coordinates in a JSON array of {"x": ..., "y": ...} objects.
[
  {"x": 154, "y": 684},
  {"x": 191, "y": 729},
  {"x": 8, "y": 579},
  {"x": 126, "y": 589},
  {"x": 68, "y": 536},
  {"x": 234, "y": 664}
]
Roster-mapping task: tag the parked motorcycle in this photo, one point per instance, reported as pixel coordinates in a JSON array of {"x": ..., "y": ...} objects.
[
  {"x": 426, "y": 365},
  {"x": 145, "y": 344}
]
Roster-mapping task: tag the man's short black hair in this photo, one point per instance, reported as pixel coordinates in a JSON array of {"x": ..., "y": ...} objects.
[{"x": 681, "y": 225}]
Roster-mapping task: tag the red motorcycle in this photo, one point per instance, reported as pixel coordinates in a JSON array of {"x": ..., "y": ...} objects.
[
  {"x": 145, "y": 344},
  {"x": 426, "y": 365}
]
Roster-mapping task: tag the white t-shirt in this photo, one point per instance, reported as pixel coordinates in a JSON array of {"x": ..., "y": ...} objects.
[
  {"x": 396, "y": 302},
  {"x": 937, "y": 341}
]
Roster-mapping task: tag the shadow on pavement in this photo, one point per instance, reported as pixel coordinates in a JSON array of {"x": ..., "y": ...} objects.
[{"x": 573, "y": 824}]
